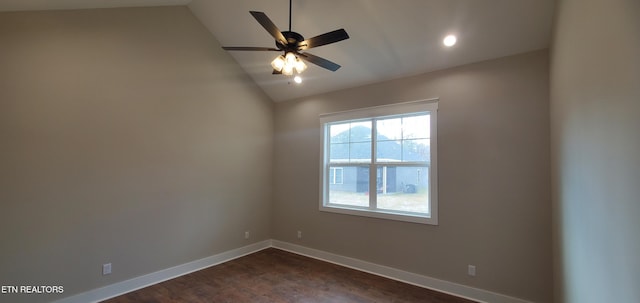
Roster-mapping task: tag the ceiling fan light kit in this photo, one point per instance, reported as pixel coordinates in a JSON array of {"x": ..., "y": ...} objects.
[
  {"x": 292, "y": 44},
  {"x": 287, "y": 64}
]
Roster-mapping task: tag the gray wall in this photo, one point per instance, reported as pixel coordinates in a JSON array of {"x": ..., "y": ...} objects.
[
  {"x": 595, "y": 106},
  {"x": 494, "y": 190},
  {"x": 128, "y": 136}
]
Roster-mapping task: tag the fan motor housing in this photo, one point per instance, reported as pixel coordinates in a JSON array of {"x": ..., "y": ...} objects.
[{"x": 293, "y": 39}]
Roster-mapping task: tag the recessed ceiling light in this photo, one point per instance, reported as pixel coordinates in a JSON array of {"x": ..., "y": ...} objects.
[
  {"x": 449, "y": 40},
  {"x": 297, "y": 79}
]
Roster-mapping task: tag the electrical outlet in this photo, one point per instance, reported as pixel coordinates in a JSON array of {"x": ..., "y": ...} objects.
[
  {"x": 246, "y": 235},
  {"x": 471, "y": 270},
  {"x": 106, "y": 269},
  {"x": 299, "y": 234}
]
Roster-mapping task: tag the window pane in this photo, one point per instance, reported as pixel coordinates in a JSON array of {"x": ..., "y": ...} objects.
[
  {"x": 415, "y": 150},
  {"x": 389, "y": 151},
  {"x": 416, "y": 127},
  {"x": 354, "y": 189},
  {"x": 389, "y": 129},
  {"x": 350, "y": 142},
  {"x": 360, "y": 152},
  {"x": 360, "y": 131},
  {"x": 339, "y": 153},
  {"x": 403, "y": 139},
  {"x": 339, "y": 132},
  {"x": 403, "y": 188}
]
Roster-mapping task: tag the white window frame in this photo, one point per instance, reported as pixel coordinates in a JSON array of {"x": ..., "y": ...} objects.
[{"x": 414, "y": 107}]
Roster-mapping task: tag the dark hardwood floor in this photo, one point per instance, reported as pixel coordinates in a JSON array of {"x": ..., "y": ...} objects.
[{"x": 273, "y": 275}]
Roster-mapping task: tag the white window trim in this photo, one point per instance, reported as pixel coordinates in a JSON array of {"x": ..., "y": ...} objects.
[{"x": 428, "y": 105}]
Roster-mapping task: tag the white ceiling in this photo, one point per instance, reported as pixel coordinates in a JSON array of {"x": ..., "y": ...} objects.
[
  {"x": 389, "y": 39},
  {"x": 30, "y": 5}
]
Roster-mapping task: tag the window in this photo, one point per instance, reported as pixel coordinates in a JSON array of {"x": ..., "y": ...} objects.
[
  {"x": 335, "y": 175},
  {"x": 381, "y": 162}
]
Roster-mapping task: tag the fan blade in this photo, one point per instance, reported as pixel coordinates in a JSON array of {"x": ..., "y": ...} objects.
[
  {"x": 320, "y": 61},
  {"x": 324, "y": 39},
  {"x": 269, "y": 26},
  {"x": 276, "y": 72},
  {"x": 249, "y": 48}
]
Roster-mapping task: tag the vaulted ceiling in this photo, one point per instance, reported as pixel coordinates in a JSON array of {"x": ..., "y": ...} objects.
[{"x": 388, "y": 39}]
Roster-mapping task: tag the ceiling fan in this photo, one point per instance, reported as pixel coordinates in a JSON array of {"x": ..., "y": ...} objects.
[{"x": 292, "y": 44}]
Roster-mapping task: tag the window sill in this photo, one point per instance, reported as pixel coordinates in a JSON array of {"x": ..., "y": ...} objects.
[{"x": 381, "y": 214}]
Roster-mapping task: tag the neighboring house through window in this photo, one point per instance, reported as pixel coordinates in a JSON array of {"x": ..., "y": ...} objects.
[{"x": 381, "y": 162}]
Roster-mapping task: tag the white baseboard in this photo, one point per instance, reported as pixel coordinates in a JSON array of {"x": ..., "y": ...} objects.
[
  {"x": 451, "y": 288},
  {"x": 120, "y": 288}
]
